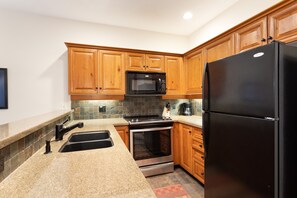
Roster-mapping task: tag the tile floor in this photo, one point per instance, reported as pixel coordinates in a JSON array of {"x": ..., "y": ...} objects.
[{"x": 179, "y": 176}]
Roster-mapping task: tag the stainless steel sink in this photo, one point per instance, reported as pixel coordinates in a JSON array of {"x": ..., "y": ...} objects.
[
  {"x": 87, "y": 145},
  {"x": 87, "y": 140},
  {"x": 88, "y": 136}
]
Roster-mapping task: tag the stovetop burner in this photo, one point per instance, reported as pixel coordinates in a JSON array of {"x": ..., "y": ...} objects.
[{"x": 146, "y": 119}]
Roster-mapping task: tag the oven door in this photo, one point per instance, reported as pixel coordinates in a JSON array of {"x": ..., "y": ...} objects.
[{"x": 151, "y": 145}]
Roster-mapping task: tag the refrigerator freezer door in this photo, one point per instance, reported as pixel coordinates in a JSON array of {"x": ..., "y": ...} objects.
[
  {"x": 240, "y": 157},
  {"x": 244, "y": 84}
]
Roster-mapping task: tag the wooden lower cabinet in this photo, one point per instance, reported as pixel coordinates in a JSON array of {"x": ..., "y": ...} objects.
[
  {"x": 186, "y": 147},
  {"x": 191, "y": 150},
  {"x": 198, "y": 170},
  {"x": 124, "y": 133}
]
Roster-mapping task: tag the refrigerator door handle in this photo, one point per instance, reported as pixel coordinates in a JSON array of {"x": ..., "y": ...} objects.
[
  {"x": 271, "y": 119},
  {"x": 205, "y": 130},
  {"x": 205, "y": 89}
]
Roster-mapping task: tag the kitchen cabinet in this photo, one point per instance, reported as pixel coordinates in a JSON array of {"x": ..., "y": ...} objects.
[
  {"x": 280, "y": 25},
  {"x": 251, "y": 35},
  {"x": 176, "y": 143},
  {"x": 192, "y": 151},
  {"x": 198, "y": 154},
  {"x": 174, "y": 74},
  {"x": 220, "y": 48},
  {"x": 194, "y": 72},
  {"x": 95, "y": 74},
  {"x": 123, "y": 131},
  {"x": 82, "y": 71},
  {"x": 145, "y": 62},
  {"x": 283, "y": 23},
  {"x": 186, "y": 147},
  {"x": 112, "y": 73}
]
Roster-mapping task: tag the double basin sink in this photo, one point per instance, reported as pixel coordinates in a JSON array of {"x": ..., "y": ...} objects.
[{"x": 87, "y": 141}]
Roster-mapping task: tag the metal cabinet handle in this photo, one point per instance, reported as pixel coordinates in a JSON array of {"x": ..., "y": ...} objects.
[
  {"x": 269, "y": 37},
  {"x": 200, "y": 145},
  {"x": 263, "y": 39}
]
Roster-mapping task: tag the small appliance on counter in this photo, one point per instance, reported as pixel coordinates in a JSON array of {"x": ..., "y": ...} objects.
[{"x": 185, "y": 109}]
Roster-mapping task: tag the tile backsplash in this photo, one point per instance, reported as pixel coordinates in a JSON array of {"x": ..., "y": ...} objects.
[{"x": 89, "y": 109}]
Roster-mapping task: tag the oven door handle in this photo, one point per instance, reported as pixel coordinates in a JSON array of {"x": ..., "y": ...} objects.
[{"x": 149, "y": 129}]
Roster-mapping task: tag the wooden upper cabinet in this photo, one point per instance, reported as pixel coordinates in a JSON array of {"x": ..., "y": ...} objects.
[
  {"x": 173, "y": 68},
  {"x": 135, "y": 62},
  {"x": 186, "y": 147},
  {"x": 194, "y": 71},
  {"x": 145, "y": 62},
  {"x": 283, "y": 23},
  {"x": 112, "y": 73},
  {"x": 219, "y": 49},
  {"x": 155, "y": 63},
  {"x": 82, "y": 71},
  {"x": 251, "y": 36}
]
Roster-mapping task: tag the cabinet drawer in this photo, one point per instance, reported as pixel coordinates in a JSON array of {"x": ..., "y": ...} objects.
[
  {"x": 198, "y": 170},
  {"x": 197, "y": 134},
  {"x": 198, "y": 156},
  {"x": 198, "y": 144}
]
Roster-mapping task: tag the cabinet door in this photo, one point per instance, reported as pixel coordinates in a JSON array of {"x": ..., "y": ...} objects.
[
  {"x": 251, "y": 36},
  {"x": 155, "y": 63},
  {"x": 186, "y": 147},
  {"x": 283, "y": 24},
  {"x": 82, "y": 71},
  {"x": 219, "y": 49},
  {"x": 194, "y": 72},
  {"x": 124, "y": 133},
  {"x": 198, "y": 170},
  {"x": 135, "y": 62},
  {"x": 112, "y": 74},
  {"x": 176, "y": 143},
  {"x": 173, "y": 67}
]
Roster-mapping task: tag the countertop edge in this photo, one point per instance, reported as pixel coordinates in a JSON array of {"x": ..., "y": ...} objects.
[{"x": 27, "y": 131}]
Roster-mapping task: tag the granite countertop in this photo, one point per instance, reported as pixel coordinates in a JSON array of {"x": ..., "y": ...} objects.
[
  {"x": 13, "y": 131},
  {"x": 195, "y": 121},
  {"x": 108, "y": 172}
]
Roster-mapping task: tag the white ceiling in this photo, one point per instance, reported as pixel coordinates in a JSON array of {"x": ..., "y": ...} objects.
[{"x": 153, "y": 15}]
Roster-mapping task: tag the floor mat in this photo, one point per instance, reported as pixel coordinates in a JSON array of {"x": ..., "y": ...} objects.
[{"x": 173, "y": 191}]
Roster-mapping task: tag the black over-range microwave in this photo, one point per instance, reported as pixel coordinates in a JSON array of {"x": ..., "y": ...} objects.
[{"x": 143, "y": 83}]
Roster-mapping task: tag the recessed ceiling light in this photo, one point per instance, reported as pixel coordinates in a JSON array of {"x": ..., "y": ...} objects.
[{"x": 188, "y": 15}]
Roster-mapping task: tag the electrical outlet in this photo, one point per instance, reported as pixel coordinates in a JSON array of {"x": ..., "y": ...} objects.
[
  {"x": 102, "y": 109},
  {"x": 1, "y": 163}
]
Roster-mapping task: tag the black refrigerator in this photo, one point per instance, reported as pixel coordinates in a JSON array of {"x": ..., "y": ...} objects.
[{"x": 250, "y": 124}]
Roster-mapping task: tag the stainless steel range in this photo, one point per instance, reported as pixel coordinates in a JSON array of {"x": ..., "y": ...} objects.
[{"x": 151, "y": 143}]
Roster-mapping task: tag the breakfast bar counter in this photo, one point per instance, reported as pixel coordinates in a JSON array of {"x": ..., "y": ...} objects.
[{"x": 105, "y": 172}]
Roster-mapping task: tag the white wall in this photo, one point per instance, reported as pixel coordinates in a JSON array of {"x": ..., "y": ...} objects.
[
  {"x": 237, "y": 13},
  {"x": 32, "y": 48}
]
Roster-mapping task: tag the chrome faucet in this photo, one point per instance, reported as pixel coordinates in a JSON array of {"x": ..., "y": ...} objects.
[{"x": 61, "y": 129}]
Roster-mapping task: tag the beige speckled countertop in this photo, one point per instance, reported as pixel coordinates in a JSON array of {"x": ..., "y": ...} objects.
[
  {"x": 195, "y": 121},
  {"x": 108, "y": 172},
  {"x": 13, "y": 131}
]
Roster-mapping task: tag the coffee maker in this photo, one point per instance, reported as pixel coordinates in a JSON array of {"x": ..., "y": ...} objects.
[{"x": 185, "y": 109}]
